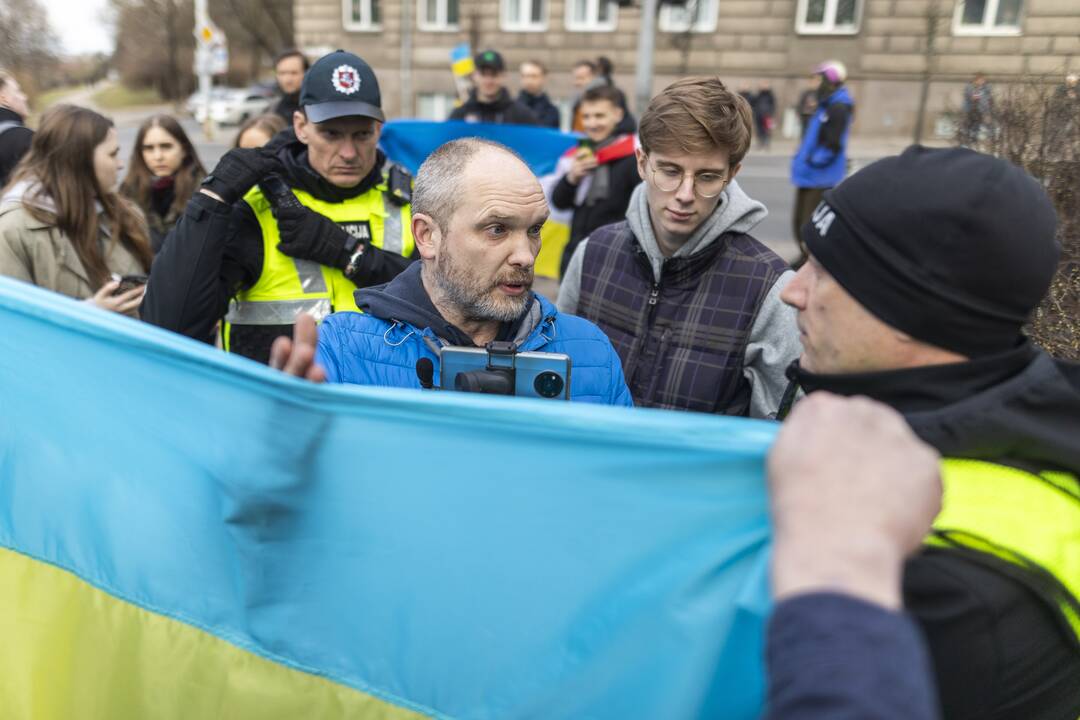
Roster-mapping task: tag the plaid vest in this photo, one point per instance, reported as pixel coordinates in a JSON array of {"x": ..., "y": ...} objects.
[{"x": 681, "y": 340}]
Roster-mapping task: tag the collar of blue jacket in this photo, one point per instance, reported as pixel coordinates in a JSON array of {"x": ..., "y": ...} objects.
[{"x": 379, "y": 348}]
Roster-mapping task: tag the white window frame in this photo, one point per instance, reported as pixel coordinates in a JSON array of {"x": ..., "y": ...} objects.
[
  {"x": 828, "y": 26},
  {"x": 706, "y": 21},
  {"x": 526, "y": 25},
  {"x": 441, "y": 23},
  {"x": 443, "y": 103},
  {"x": 364, "y": 24},
  {"x": 987, "y": 27},
  {"x": 592, "y": 22}
]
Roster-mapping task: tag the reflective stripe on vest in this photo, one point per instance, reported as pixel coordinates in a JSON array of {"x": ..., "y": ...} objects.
[
  {"x": 1024, "y": 524},
  {"x": 288, "y": 286}
]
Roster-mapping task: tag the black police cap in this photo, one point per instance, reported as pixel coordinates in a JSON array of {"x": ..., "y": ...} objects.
[{"x": 340, "y": 85}]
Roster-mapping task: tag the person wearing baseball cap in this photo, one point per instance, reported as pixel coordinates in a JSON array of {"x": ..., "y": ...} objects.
[
  {"x": 489, "y": 101},
  {"x": 294, "y": 227},
  {"x": 821, "y": 160},
  {"x": 923, "y": 270}
]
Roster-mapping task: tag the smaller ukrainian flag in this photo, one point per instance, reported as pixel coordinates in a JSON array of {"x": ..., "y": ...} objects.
[{"x": 461, "y": 61}]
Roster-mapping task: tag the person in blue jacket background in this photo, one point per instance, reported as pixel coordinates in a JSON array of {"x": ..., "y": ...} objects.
[
  {"x": 821, "y": 160},
  {"x": 476, "y": 217}
]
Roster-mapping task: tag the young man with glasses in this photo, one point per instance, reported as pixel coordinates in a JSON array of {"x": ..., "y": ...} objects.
[{"x": 690, "y": 300}]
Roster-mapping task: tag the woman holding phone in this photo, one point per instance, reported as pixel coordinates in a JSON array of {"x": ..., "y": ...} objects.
[
  {"x": 163, "y": 174},
  {"x": 62, "y": 224}
]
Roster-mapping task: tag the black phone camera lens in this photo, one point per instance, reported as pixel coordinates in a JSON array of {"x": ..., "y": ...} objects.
[{"x": 548, "y": 384}]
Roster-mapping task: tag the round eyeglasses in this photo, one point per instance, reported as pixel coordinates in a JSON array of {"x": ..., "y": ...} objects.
[{"x": 670, "y": 177}]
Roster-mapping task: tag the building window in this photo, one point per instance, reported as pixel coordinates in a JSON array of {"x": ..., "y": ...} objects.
[
  {"x": 437, "y": 14},
  {"x": 591, "y": 15},
  {"x": 434, "y": 106},
  {"x": 362, "y": 15},
  {"x": 695, "y": 16},
  {"x": 524, "y": 15},
  {"x": 988, "y": 17},
  {"x": 828, "y": 17}
]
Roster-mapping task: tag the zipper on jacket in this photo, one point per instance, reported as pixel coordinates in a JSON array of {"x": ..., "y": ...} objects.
[{"x": 654, "y": 294}]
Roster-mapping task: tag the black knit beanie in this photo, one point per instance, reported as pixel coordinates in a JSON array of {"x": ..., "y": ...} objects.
[{"x": 953, "y": 247}]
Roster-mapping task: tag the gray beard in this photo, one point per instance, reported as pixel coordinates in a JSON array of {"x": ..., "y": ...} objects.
[{"x": 476, "y": 302}]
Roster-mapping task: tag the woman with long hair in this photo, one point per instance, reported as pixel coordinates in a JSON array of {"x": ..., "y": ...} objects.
[
  {"x": 258, "y": 131},
  {"x": 63, "y": 226},
  {"x": 164, "y": 173}
]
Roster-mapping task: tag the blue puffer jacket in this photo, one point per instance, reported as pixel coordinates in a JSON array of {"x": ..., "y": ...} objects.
[
  {"x": 366, "y": 349},
  {"x": 815, "y": 165}
]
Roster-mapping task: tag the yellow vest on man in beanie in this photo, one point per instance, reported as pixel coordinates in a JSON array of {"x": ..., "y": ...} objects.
[
  {"x": 288, "y": 286},
  {"x": 1023, "y": 524}
]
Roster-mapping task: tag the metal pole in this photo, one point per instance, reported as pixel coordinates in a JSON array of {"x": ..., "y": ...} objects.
[
  {"x": 406, "y": 105},
  {"x": 202, "y": 19},
  {"x": 646, "y": 43}
]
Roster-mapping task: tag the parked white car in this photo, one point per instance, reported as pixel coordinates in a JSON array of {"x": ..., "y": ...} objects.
[{"x": 230, "y": 106}]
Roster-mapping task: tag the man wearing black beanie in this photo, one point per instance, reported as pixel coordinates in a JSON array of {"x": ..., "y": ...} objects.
[{"x": 923, "y": 268}]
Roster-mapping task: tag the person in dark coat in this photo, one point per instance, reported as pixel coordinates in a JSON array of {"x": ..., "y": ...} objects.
[
  {"x": 599, "y": 176},
  {"x": 532, "y": 95},
  {"x": 489, "y": 101},
  {"x": 807, "y": 104},
  {"x": 764, "y": 113},
  {"x": 289, "y": 68},
  {"x": 163, "y": 173},
  {"x": 15, "y": 137},
  {"x": 916, "y": 294},
  {"x": 839, "y": 644}
]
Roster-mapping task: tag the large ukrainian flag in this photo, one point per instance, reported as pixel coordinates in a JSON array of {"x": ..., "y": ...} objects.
[{"x": 186, "y": 534}]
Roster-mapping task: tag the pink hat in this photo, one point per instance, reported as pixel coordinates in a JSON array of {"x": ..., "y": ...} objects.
[{"x": 833, "y": 70}]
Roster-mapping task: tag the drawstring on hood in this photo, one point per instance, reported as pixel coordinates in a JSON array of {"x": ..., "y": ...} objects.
[{"x": 737, "y": 212}]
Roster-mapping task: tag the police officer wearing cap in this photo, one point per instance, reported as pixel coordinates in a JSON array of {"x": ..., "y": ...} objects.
[
  {"x": 489, "y": 100},
  {"x": 294, "y": 227}
]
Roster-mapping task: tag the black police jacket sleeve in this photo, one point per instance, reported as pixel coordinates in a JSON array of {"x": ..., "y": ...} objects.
[
  {"x": 214, "y": 251},
  {"x": 834, "y": 657},
  {"x": 378, "y": 266}
]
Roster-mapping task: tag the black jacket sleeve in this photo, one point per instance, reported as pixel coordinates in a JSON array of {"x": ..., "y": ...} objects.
[
  {"x": 548, "y": 115},
  {"x": 834, "y": 657},
  {"x": 831, "y": 134},
  {"x": 213, "y": 252},
  {"x": 562, "y": 196},
  {"x": 378, "y": 266},
  {"x": 998, "y": 649},
  {"x": 14, "y": 143}
]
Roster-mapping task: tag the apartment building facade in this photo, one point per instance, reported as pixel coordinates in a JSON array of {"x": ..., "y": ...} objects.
[{"x": 884, "y": 43}]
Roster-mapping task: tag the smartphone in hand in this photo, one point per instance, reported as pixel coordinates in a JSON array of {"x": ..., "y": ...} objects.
[{"x": 128, "y": 282}]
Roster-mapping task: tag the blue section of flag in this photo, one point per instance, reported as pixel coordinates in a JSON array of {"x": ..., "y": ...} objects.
[
  {"x": 409, "y": 142},
  {"x": 461, "y": 51},
  {"x": 470, "y": 556}
]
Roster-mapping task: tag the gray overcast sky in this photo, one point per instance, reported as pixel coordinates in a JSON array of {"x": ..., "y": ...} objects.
[{"x": 80, "y": 25}]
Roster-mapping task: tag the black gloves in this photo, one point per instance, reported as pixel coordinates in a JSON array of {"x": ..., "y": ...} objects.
[
  {"x": 307, "y": 234},
  {"x": 238, "y": 170}
]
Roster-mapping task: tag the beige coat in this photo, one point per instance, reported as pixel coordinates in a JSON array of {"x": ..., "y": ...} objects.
[{"x": 39, "y": 253}]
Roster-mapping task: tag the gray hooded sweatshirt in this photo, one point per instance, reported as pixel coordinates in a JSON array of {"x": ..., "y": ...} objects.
[{"x": 774, "y": 338}]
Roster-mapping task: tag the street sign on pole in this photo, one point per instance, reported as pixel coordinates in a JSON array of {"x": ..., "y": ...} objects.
[{"x": 211, "y": 58}]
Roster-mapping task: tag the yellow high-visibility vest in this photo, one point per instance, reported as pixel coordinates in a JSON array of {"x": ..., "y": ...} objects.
[
  {"x": 288, "y": 286},
  {"x": 1027, "y": 525}
]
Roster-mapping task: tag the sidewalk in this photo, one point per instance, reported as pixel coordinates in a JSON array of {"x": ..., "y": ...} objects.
[{"x": 860, "y": 149}]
